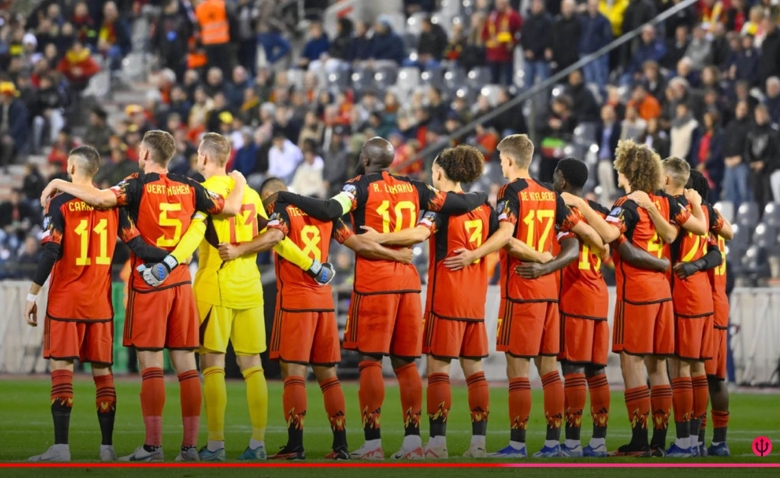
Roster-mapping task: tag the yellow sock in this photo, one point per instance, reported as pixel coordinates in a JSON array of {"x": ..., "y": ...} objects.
[
  {"x": 215, "y": 394},
  {"x": 257, "y": 399}
]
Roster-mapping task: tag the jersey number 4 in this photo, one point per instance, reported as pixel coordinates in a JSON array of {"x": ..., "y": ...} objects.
[{"x": 83, "y": 232}]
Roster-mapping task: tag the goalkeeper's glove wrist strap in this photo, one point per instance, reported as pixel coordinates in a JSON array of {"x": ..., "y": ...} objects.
[
  {"x": 170, "y": 262},
  {"x": 315, "y": 268}
]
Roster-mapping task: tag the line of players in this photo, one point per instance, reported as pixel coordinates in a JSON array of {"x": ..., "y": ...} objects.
[{"x": 654, "y": 319}]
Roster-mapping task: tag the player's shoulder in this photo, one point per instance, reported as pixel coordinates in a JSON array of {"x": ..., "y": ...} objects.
[
  {"x": 598, "y": 207},
  {"x": 57, "y": 201},
  {"x": 180, "y": 178},
  {"x": 623, "y": 204},
  {"x": 513, "y": 187},
  {"x": 131, "y": 179}
]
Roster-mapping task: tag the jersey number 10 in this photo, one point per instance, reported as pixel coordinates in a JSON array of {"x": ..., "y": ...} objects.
[
  {"x": 83, "y": 232},
  {"x": 384, "y": 211}
]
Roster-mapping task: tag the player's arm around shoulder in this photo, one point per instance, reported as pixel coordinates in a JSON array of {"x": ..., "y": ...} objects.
[
  {"x": 102, "y": 198},
  {"x": 429, "y": 223}
]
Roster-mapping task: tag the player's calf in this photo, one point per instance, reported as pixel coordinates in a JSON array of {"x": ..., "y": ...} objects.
[
  {"x": 61, "y": 406},
  {"x": 335, "y": 408},
  {"x": 105, "y": 402}
]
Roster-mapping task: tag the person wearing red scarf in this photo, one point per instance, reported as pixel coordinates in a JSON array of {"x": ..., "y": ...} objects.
[{"x": 501, "y": 34}]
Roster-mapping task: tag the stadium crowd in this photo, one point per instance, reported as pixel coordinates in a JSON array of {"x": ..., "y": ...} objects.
[{"x": 703, "y": 86}]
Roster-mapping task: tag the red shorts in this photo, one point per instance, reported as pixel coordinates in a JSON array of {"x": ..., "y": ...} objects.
[
  {"x": 86, "y": 341},
  {"x": 306, "y": 337},
  {"x": 529, "y": 329},
  {"x": 449, "y": 338},
  {"x": 585, "y": 340},
  {"x": 643, "y": 329},
  {"x": 693, "y": 337},
  {"x": 158, "y": 319},
  {"x": 716, "y": 366},
  {"x": 385, "y": 324}
]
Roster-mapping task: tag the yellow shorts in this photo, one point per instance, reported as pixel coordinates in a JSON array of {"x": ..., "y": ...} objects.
[{"x": 245, "y": 328}]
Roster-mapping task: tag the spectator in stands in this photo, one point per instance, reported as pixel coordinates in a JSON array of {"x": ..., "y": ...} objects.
[
  {"x": 246, "y": 156},
  {"x": 633, "y": 127},
  {"x": 16, "y": 216},
  {"x": 675, "y": 48},
  {"x": 13, "y": 124},
  {"x": 614, "y": 10},
  {"x": 312, "y": 129},
  {"x": 649, "y": 49},
  {"x": 536, "y": 41},
  {"x": 47, "y": 112},
  {"x": 596, "y": 34},
  {"x": 316, "y": 46},
  {"x": 246, "y": 15},
  {"x": 99, "y": 132},
  {"x": 361, "y": 42},
  {"x": 84, "y": 24},
  {"x": 698, "y": 50},
  {"x": 556, "y": 132},
  {"x": 501, "y": 35},
  {"x": 27, "y": 263},
  {"x": 414, "y": 6},
  {"x": 235, "y": 88},
  {"x": 508, "y": 122},
  {"x": 385, "y": 45},
  {"x": 735, "y": 178},
  {"x": 567, "y": 31},
  {"x": 653, "y": 81},
  {"x": 283, "y": 157},
  {"x": 656, "y": 138},
  {"x": 32, "y": 185},
  {"x": 585, "y": 107},
  {"x": 720, "y": 49},
  {"x": 61, "y": 148},
  {"x": 645, "y": 103},
  {"x": 746, "y": 66},
  {"x": 607, "y": 137},
  {"x": 762, "y": 153},
  {"x": 78, "y": 67},
  {"x": 308, "y": 178},
  {"x": 737, "y": 16},
  {"x": 340, "y": 53},
  {"x": 770, "y": 50},
  {"x": 430, "y": 45},
  {"x": 473, "y": 54},
  {"x": 171, "y": 38},
  {"x": 214, "y": 25},
  {"x": 772, "y": 99},
  {"x": 337, "y": 162},
  {"x": 636, "y": 14},
  {"x": 113, "y": 36},
  {"x": 686, "y": 17},
  {"x": 710, "y": 154},
  {"x": 684, "y": 135},
  {"x": 275, "y": 46}
]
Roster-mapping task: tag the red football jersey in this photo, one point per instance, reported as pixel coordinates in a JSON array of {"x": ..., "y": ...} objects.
[
  {"x": 162, "y": 207},
  {"x": 583, "y": 290},
  {"x": 717, "y": 278},
  {"x": 80, "y": 284},
  {"x": 459, "y": 294},
  {"x": 533, "y": 209},
  {"x": 298, "y": 291},
  {"x": 391, "y": 203}
]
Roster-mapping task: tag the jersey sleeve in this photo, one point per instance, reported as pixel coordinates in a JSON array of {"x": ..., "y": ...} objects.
[
  {"x": 205, "y": 200},
  {"x": 447, "y": 203},
  {"x": 678, "y": 214},
  {"x": 565, "y": 217},
  {"x": 507, "y": 206},
  {"x": 599, "y": 209},
  {"x": 127, "y": 228},
  {"x": 716, "y": 220},
  {"x": 280, "y": 219},
  {"x": 191, "y": 239},
  {"x": 53, "y": 223},
  {"x": 432, "y": 220},
  {"x": 355, "y": 192},
  {"x": 623, "y": 217},
  {"x": 128, "y": 191},
  {"x": 341, "y": 232},
  {"x": 492, "y": 221}
]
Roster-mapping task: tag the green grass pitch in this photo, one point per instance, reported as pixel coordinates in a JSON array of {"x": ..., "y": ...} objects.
[{"x": 26, "y": 428}]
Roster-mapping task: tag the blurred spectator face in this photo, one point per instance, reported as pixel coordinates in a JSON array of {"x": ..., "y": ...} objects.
[
  {"x": 109, "y": 12},
  {"x": 747, "y": 42},
  {"x": 773, "y": 87},
  {"x": 638, "y": 94},
  {"x": 200, "y": 96},
  {"x": 298, "y": 99},
  {"x": 741, "y": 89},
  {"x": 315, "y": 30},
  {"x": 53, "y": 12},
  {"x": 310, "y": 80},
  {"x": 593, "y": 7},
  {"x": 709, "y": 120},
  {"x": 502, "y": 5},
  {"x": 426, "y": 25},
  {"x": 483, "y": 103},
  {"x": 567, "y": 8},
  {"x": 648, "y": 34},
  {"x": 711, "y": 98},
  {"x": 719, "y": 30},
  {"x": 608, "y": 114},
  {"x": 390, "y": 100},
  {"x": 613, "y": 95},
  {"x": 457, "y": 31},
  {"x": 631, "y": 114},
  {"x": 281, "y": 116},
  {"x": 178, "y": 94},
  {"x": 477, "y": 19},
  {"x": 761, "y": 115},
  {"x": 741, "y": 110},
  {"x": 756, "y": 14},
  {"x": 360, "y": 28},
  {"x": 380, "y": 28},
  {"x": 708, "y": 76},
  {"x": 219, "y": 101},
  {"x": 214, "y": 76},
  {"x": 681, "y": 34},
  {"x": 190, "y": 77},
  {"x": 651, "y": 70},
  {"x": 309, "y": 157},
  {"x": 699, "y": 33},
  {"x": 768, "y": 24},
  {"x": 16, "y": 196},
  {"x": 330, "y": 115},
  {"x": 434, "y": 96},
  {"x": 682, "y": 110},
  {"x": 537, "y": 7},
  {"x": 80, "y": 11},
  {"x": 50, "y": 52},
  {"x": 174, "y": 122},
  {"x": 684, "y": 67},
  {"x": 30, "y": 245},
  {"x": 278, "y": 142},
  {"x": 45, "y": 83},
  {"x": 311, "y": 120},
  {"x": 575, "y": 78},
  {"x": 239, "y": 75}
]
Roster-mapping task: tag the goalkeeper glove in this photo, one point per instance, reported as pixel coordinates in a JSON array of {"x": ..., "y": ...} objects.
[
  {"x": 686, "y": 269},
  {"x": 155, "y": 274},
  {"x": 322, "y": 273}
]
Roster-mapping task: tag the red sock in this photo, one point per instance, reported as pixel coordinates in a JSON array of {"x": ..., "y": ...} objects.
[
  {"x": 371, "y": 395},
  {"x": 439, "y": 395},
  {"x": 152, "y": 403},
  {"x": 662, "y": 406},
  {"x": 599, "y": 403},
  {"x": 574, "y": 401},
  {"x": 294, "y": 403},
  {"x": 191, "y": 400},
  {"x": 335, "y": 407},
  {"x": 519, "y": 408},
  {"x": 410, "y": 383},
  {"x": 701, "y": 395},
  {"x": 638, "y": 406},
  {"x": 105, "y": 401},
  {"x": 553, "y": 400},
  {"x": 479, "y": 403},
  {"x": 720, "y": 419},
  {"x": 682, "y": 391}
]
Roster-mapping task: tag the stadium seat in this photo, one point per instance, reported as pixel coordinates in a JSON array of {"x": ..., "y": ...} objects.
[
  {"x": 386, "y": 76},
  {"x": 295, "y": 76},
  {"x": 410, "y": 41},
  {"x": 408, "y": 79},
  {"x": 478, "y": 77},
  {"x": 338, "y": 81},
  {"x": 771, "y": 214},
  {"x": 414, "y": 23},
  {"x": 747, "y": 215},
  {"x": 433, "y": 77},
  {"x": 765, "y": 236},
  {"x": 755, "y": 263},
  {"x": 726, "y": 209},
  {"x": 739, "y": 244},
  {"x": 491, "y": 92},
  {"x": 453, "y": 80},
  {"x": 362, "y": 80}
]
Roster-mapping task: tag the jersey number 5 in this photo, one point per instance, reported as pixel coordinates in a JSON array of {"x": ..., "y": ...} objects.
[
  {"x": 165, "y": 221},
  {"x": 83, "y": 232},
  {"x": 545, "y": 216},
  {"x": 384, "y": 211}
]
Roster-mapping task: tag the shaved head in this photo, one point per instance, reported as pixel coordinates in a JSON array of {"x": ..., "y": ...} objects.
[
  {"x": 271, "y": 186},
  {"x": 377, "y": 154}
]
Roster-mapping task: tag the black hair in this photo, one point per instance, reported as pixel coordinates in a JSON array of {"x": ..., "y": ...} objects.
[
  {"x": 269, "y": 183},
  {"x": 699, "y": 183},
  {"x": 574, "y": 171}
]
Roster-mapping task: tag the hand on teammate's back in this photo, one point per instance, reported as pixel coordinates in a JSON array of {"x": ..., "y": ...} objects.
[
  {"x": 322, "y": 273},
  {"x": 237, "y": 177},
  {"x": 460, "y": 260},
  {"x": 693, "y": 197},
  {"x": 228, "y": 252},
  {"x": 641, "y": 199},
  {"x": 371, "y": 234},
  {"x": 155, "y": 274},
  {"x": 531, "y": 270},
  {"x": 406, "y": 255}
]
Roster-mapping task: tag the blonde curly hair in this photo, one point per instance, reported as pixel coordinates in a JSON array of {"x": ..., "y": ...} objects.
[{"x": 640, "y": 165}]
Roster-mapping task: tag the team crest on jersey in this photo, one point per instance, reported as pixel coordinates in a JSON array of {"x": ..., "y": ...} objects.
[
  {"x": 502, "y": 209},
  {"x": 46, "y": 222},
  {"x": 428, "y": 219},
  {"x": 350, "y": 189},
  {"x": 212, "y": 194},
  {"x": 273, "y": 220}
]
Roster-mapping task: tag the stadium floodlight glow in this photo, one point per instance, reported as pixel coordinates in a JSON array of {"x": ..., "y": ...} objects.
[
  {"x": 485, "y": 91},
  {"x": 333, "y": 77},
  {"x": 435, "y": 19},
  {"x": 594, "y": 148},
  {"x": 556, "y": 92},
  {"x": 473, "y": 75},
  {"x": 355, "y": 76},
  {"x": 598, "y": 190},
  {"x": 417, "y": 251},
  {"x": 379, "y": 76},
  {"x": 466, "y": 3},
  {"x": 568, "y": 150},
  {"x": 413, "y": 56},
  {"x": 461, "y": 93},
  {"x": 449, "y": 76},
  {"x": 425, "y": 76}
]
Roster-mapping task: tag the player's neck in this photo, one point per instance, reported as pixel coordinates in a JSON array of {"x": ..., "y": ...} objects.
[
  {"x": 210, "y": 172},
  {"x": 151, "y": 167},
  {"x": 672, "y": 191},
  {"x": 450, "y": 187},
  {"x": 574, "y": 192},
  {"x": 519, "y": 174},
  {"x": 374, "y": 170},
  {"x": 81, "y": 180}
]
